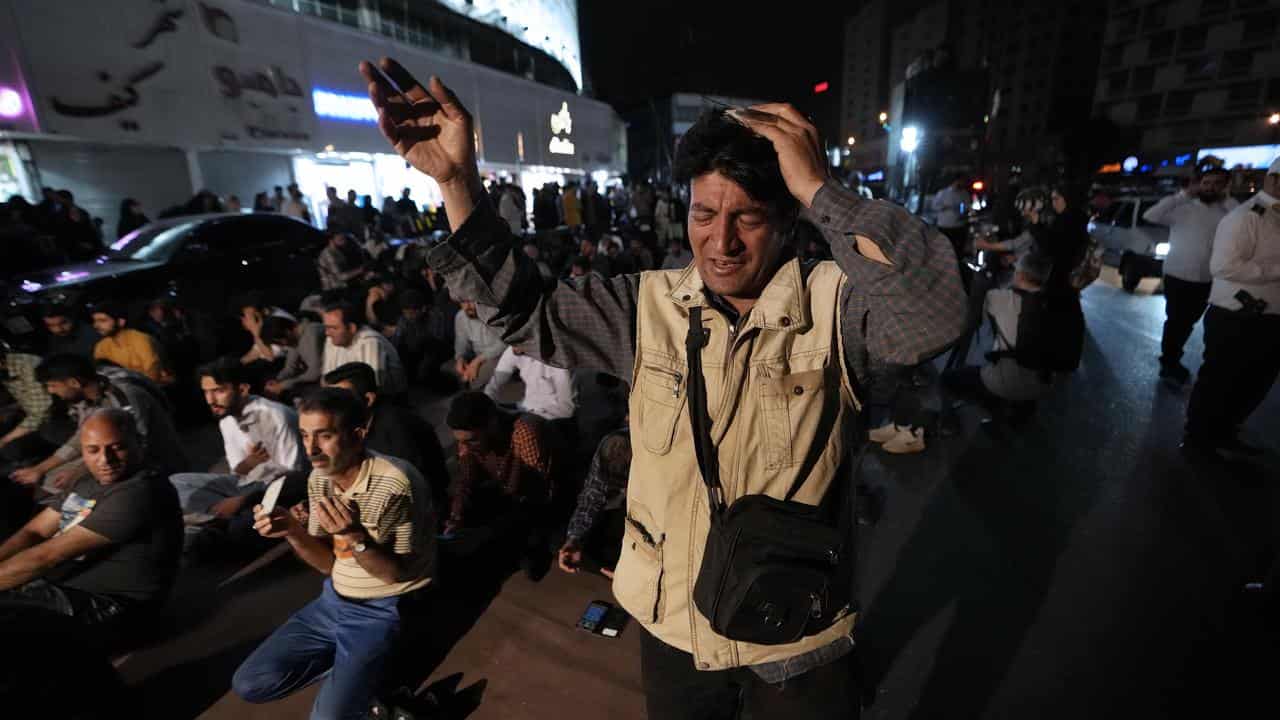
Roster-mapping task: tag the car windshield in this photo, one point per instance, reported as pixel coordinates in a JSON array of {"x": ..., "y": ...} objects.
[{"x": 150, "y": 243}]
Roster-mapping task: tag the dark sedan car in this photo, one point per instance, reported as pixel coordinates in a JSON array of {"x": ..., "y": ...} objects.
[{"x": 201, "y": 261}]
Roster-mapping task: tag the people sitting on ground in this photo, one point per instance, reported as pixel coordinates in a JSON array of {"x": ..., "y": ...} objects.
[
  {"x": 412, "y": 338},
  {"x": 130, "y": 349},
  {"x": 894, "y": 396},
  {"x": 347, "y": 340},
  {"x": 678, "y": 256},
  {"x": 394, "y": 428},
  {"x": 533, "y": 253},
  {"x": 259, "y": 438},
  {"x": 254, "y": 311},
  {"x": 23, "y": 441},
  {"x": 105, "y": 552},
  {"x": 594, "y": 537},
  {"x": 340, "y": 264},
  {"x": 1004, "y": 386},
  {"x": 86, "y": 389},
  {"x": 166, "y": 321},
  {"x": 504, "y": 460},
  {"x": 476, "y": 346},
  {"x": 382, "y": 304},
  {"x": 548, "y": 391},
  {"x": 369, "y": 526},
  {"x": 67, "y": 334},
  {"x": 303, "y": 363}
]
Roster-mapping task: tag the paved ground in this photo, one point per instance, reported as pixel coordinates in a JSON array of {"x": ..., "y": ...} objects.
[{"x": 1078, "y": 568}]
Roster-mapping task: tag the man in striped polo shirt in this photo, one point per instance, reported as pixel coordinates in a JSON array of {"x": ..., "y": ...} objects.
[{"x": 369, "y": 526}]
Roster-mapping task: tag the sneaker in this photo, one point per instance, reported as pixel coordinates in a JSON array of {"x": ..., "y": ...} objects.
[
  {"x": 883, "y": 434},
  {"x": 908, "y": 440}
]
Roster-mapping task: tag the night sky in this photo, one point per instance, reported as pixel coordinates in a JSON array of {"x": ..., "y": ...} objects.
[{"x": 643, "y": 49}]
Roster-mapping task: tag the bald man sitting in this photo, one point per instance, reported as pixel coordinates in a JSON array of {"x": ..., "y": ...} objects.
[{"x": 108, "y": 546}]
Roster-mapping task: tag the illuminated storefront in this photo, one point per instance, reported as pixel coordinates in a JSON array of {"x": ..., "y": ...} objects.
[{"x": 164, "y": 99}]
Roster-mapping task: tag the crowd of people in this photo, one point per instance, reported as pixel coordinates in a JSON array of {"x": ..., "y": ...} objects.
[{"x": 759, "y": 349}]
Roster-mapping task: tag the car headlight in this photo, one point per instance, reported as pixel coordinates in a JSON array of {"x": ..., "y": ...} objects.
[{"x": 1162, "y": 249}]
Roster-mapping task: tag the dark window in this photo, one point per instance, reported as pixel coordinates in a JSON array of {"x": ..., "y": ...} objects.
[
  {"x": 1179, "y": 103},
  {"x": 1161, "y": 46},
  {"x": 1200, "y": 69},
  {"x": 1123, "y": 217},
  {"x": 1209, "y": 8},
  {"x": 1259, "y": 28},
  {"x": 1193, "y": 39},
  {"x": 1149, "y": 107},
  {"x": 1237, "y": 62},
  {"x": 1155, "y": 17},
  {"x": 1243, "y": 95},
  {"x": 1144, "y": 78},
  {"x": 1126, "y": 24}
]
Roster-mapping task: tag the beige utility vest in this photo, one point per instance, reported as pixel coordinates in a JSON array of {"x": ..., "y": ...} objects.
[{"x": 779, "y": 401}]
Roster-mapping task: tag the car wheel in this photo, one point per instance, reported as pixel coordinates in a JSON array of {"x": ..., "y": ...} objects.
[{"x": 1130, "y": 276}]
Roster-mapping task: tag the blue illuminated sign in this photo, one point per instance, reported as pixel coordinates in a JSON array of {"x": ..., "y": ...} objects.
[
  {"x": 876, "y": 176},
  {"x": 343, "y": 106},
  {"x": 1182, "y": 160}
]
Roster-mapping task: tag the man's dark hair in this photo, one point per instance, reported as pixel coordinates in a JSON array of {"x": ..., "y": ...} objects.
[
  {"x": 225, "y": 371},
  {"x": 413, "y": 299},
  {"x": 57, "y": 310},
  {"x": 718, "y": 143},
  {"x": 275, "y": 328},
  {"x": 348, "y": 411},
  {"x": 362, "y": 377},
  {"x": 1214, "y": 170},
  {"x": 582, "y": 262},
  {"x": 253, "y": 298},
  {"x": 471, "y": 411},
  {"x": 350, "y": 315},
  {"x": 111, "y": 308},
  {"x": 65, "y": 366}
]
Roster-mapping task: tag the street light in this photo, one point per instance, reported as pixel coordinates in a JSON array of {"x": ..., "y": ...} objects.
[
  {"x": 852, "y": 140},
  {"x": 1274, "y": 119},
  {"x": 910, "y": 139},
  {"x": 884, "y": 117}
]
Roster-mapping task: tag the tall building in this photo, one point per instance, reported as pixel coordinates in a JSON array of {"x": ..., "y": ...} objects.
[
  {"x": 1039, "y": 60},
  {"x": 1190, "y": 74}
]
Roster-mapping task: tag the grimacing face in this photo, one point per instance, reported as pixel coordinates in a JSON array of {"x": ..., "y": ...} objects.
[
  {"x": 736, "y": 241},
  {"x": 331, "y": 449}
]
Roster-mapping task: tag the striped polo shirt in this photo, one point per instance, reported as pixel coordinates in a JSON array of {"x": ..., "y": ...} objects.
[{"x": 394, "y": 505}]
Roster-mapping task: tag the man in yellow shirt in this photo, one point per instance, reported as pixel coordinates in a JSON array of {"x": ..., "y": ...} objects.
[{"x": 130, "y": 349}]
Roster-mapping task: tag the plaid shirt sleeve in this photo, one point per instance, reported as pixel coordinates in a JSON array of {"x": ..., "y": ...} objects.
[
  {"x": 26, "y": 390},
  {"x": 592, "y": 326},
  {"x": 897, "y": 314},
  {"x": 606, "y": 478},
  {"x": 327, "y": 267}
]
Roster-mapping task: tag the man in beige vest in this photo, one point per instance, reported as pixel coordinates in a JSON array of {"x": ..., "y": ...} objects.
[{"x": 787, "y": 344}]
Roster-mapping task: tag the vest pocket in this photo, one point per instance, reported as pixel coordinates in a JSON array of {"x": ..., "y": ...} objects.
[
  {"x": 661, "y": 395},
  {"x": 789, "y": 405},
  {"x": 637, "y": 581}
]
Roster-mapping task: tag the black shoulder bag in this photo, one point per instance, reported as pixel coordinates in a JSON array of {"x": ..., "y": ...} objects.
[{"x": 773, "y": 571}]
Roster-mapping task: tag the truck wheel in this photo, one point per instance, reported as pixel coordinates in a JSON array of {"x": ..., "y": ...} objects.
[{"x": 1130, "y": 276}]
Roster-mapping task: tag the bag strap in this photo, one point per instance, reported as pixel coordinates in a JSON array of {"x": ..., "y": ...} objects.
[{"x": 699, "y": 418}]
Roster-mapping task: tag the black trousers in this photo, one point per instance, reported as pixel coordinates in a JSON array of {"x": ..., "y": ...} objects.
[
  {"x": 1184, "y": 304},
  {"x": 675, "y": 690},
  {"x": 1241, "y": 363}
]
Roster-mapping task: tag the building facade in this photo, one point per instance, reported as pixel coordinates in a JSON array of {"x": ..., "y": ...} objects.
[
  {"x": 1190, "y": 74},
  {"x": 157, "y": 100}
]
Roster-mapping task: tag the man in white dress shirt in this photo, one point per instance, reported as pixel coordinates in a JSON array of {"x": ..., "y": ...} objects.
[
  {"x": 259, "y": 436},
  {"x": 1242, "y": 326},
  {"x": 1192, "y": 216},
  {"x": 548, "y": 391}
]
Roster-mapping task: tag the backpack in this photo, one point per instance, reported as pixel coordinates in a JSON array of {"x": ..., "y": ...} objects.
[{"x": 1050, "y": 333}]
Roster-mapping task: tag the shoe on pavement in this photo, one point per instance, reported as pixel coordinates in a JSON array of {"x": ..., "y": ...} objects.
[
  {"x": 1175, "y": 373},
  {"x": 908, "y": 440},
  {"x": 1198, "y": 450},
  {"x": 883, "y": 434},
  {"x": 1235, "y": 446}
]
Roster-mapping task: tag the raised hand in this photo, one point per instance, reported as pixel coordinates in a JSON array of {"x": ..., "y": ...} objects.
[
  {"x": 795, "y": 139},
  {"x": 433, "y": 131}
]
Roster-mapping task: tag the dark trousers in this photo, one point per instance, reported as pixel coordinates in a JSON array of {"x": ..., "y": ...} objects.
[
  {"x": 1241, "y": 362},
  {"x": 1184, "y": 303},
  {"x": 675, "y": 690}
]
